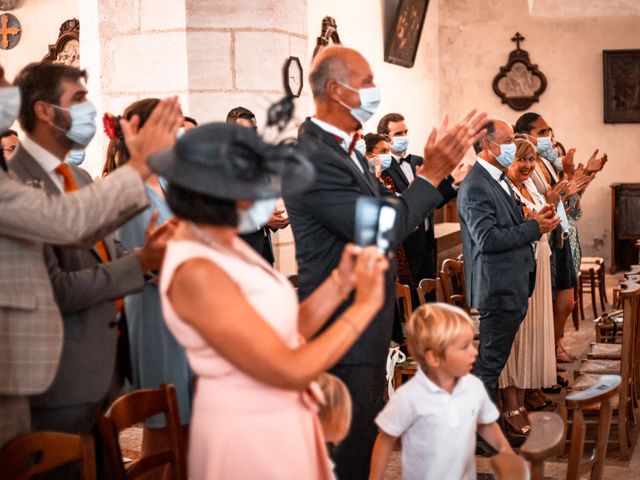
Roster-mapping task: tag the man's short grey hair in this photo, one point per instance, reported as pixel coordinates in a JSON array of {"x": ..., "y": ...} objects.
[
  {"x": 329, "y": 68},
  {"x": 490, "y": 127}
]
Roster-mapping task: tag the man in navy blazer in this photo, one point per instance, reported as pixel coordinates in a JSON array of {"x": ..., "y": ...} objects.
[
  {"x": 323, "y": 222},
  {"x": 499, "y": 261}
]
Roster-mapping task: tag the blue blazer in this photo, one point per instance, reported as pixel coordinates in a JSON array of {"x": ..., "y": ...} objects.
[{"x": 499, "y": 262}]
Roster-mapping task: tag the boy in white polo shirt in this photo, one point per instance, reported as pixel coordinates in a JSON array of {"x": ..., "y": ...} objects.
[{"x": 438, "y": 412}]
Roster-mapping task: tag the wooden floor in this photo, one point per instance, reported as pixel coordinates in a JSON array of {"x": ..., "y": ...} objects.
[{"x": 576, "y": 342}]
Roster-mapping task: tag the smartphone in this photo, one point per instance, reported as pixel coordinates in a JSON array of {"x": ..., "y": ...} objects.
[{"x": 375, "y": 221}]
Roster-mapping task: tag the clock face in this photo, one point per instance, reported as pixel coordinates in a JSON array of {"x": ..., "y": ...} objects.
[{"x": 293, "y": 76}]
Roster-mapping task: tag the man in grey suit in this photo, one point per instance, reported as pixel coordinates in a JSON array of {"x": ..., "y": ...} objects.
[
  {"x": 499, "y": 261},
  {"x": 88, "y": 284},
  {"x": 30, "y": 326}
]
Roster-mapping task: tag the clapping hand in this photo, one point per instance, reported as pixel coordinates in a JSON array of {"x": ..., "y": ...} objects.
[
  {"x": 158, "y": 132},
  {"x": 278, "y": 221},
  {"x": 568, "y": 164},
  {"x": 546, "y": 218},
  {"x": 579, "y": 181},
  {"x": 446, "y": 147},
  {"x": 370, "y": 266},
  {"x": 595, "y": 164},
  {"x": 152, "y": 252},
  {"x": 460, "y": 172}
]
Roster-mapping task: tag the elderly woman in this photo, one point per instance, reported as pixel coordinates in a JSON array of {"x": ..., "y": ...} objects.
[
  {"x": 531, "y": 364},
  {"x": 254, "y": 349}
]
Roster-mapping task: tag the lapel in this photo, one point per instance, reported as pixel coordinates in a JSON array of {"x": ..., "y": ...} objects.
[
  {"x": 30, "y": 172},
  {"x": 399, "y": 178},
  {"x": 500, "y": 193},
  {"x": 367, "y": 182}
]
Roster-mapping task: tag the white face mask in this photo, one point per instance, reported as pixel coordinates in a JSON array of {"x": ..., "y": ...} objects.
[
  {"x": 360, "y": 146},
  {"x": 10, "y": 100},
  {"x": 256, "y": 216},
  {"x": 369, "y": 102},
  {"x": 83, "y": 122}
]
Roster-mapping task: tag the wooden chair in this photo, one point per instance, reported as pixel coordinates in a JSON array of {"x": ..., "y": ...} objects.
[
  {"x": 39, "y": 452},
  {"x": 600, "y": 396},
  {"x": 134, "y": 408},
  {"x": 626, "y": 400},
  {"x": 453, "y": 285},
  {"x": 403, "y": 296},
  {"x": 545, "y": 439},
  {"x": 427, "y": 286},
  {"x": 592, "y": 280},
  {"x": 509, "y": 466},
  {"x": 577, "y": 313},
  {"x": 407, "y": 368}
]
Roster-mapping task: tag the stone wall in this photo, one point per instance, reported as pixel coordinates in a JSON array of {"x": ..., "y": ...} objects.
[{"x": 565, "y": 39}]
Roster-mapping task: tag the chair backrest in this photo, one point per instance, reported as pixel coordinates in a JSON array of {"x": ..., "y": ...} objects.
[
  {"x": 39, "y": 452},
  {"x": 602, "y": 392},
  {"x": 426, "y": 286},
  {"x": 545, "y": 439},
  {"x": 134, "y": 408},
  {"x": 403, "y": 295},
  {"x": 453, "y": 285},
  {"x": 509, "y": 466}
]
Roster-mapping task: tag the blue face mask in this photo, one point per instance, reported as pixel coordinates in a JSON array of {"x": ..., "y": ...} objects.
[
  {"x": 369, "y": 102},
  {"x": 385, "y": 160},
  {"x": 256, "y": 216},
  {"x": 361, "y": 146},
  {"x": 545, "y": 148},
  {"x": 83, "y": 122},
  {"x": 76, "y": 157},
  {"x": 400, "y": 144},
  {"x": 507, "y": 153},
  {"x": 10, "y": 99}
]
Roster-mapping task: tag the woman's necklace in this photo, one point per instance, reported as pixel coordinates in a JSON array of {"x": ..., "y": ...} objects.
[{"x": 207, "y": 239}]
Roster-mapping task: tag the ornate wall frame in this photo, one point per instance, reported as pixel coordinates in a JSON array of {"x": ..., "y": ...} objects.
[
  {"x": 621, "y": 70},
  {"x": 67, "y": 48},
  {"x": 328, "y": 35},
  {"x": 519, "y": 83}
]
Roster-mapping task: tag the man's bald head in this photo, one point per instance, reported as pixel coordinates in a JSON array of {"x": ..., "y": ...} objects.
[{"x": 337, "y": 63}]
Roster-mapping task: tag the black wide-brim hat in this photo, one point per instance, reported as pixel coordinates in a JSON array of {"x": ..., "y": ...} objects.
[{"x": 232, "y": 162}]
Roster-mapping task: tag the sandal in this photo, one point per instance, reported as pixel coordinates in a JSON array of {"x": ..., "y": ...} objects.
[
  {"x": 508, "y": 416},
  {"x": 535, "y": 400}
]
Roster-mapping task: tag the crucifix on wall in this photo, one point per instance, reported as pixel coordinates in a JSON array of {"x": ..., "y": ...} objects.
[{"x": 10, "y": 31}]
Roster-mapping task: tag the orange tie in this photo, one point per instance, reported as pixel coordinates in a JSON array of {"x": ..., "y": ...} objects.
[{"x": 70, "y": 185}]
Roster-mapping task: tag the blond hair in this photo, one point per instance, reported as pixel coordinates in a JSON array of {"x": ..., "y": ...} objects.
[
  {"x": 435, "y": 326},
  {"x": 524, "y": 148},
  {"x": 335, "y": 412}
]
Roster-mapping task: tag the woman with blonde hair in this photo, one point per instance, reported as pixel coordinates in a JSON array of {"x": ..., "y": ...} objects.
[{"x": 531, "y": 364}]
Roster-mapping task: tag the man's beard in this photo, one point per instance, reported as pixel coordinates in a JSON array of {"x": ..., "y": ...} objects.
[{"x": 63, "y": 124}]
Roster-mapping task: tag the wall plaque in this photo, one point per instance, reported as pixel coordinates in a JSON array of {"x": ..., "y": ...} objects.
[
  {"x": 621, "y": 86},
  {"x": 519, "y": 83}
]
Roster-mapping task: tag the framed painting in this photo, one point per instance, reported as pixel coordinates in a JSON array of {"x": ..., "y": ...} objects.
[
  {"x": 621, "y": 86},
  {"x": 404, "y": 34}
]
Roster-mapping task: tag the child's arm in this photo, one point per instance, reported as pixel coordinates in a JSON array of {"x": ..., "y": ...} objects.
[
  {"x": 380, "y": 456},
  {"x": 492, "y": 433}
]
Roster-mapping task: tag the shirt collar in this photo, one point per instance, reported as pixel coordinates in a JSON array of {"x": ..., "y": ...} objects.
[
  {"x": 431, "y": 387},
  {"x": 47, "y": 160},
  {"x": 327, "y": 127},
  {"x": 493, "y": 171}
]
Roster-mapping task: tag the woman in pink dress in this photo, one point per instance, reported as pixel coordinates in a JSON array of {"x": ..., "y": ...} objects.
[{"x": 254, "y": 349}]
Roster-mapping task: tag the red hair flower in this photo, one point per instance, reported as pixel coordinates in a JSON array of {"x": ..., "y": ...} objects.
[{"x": 109, "y": 124}]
